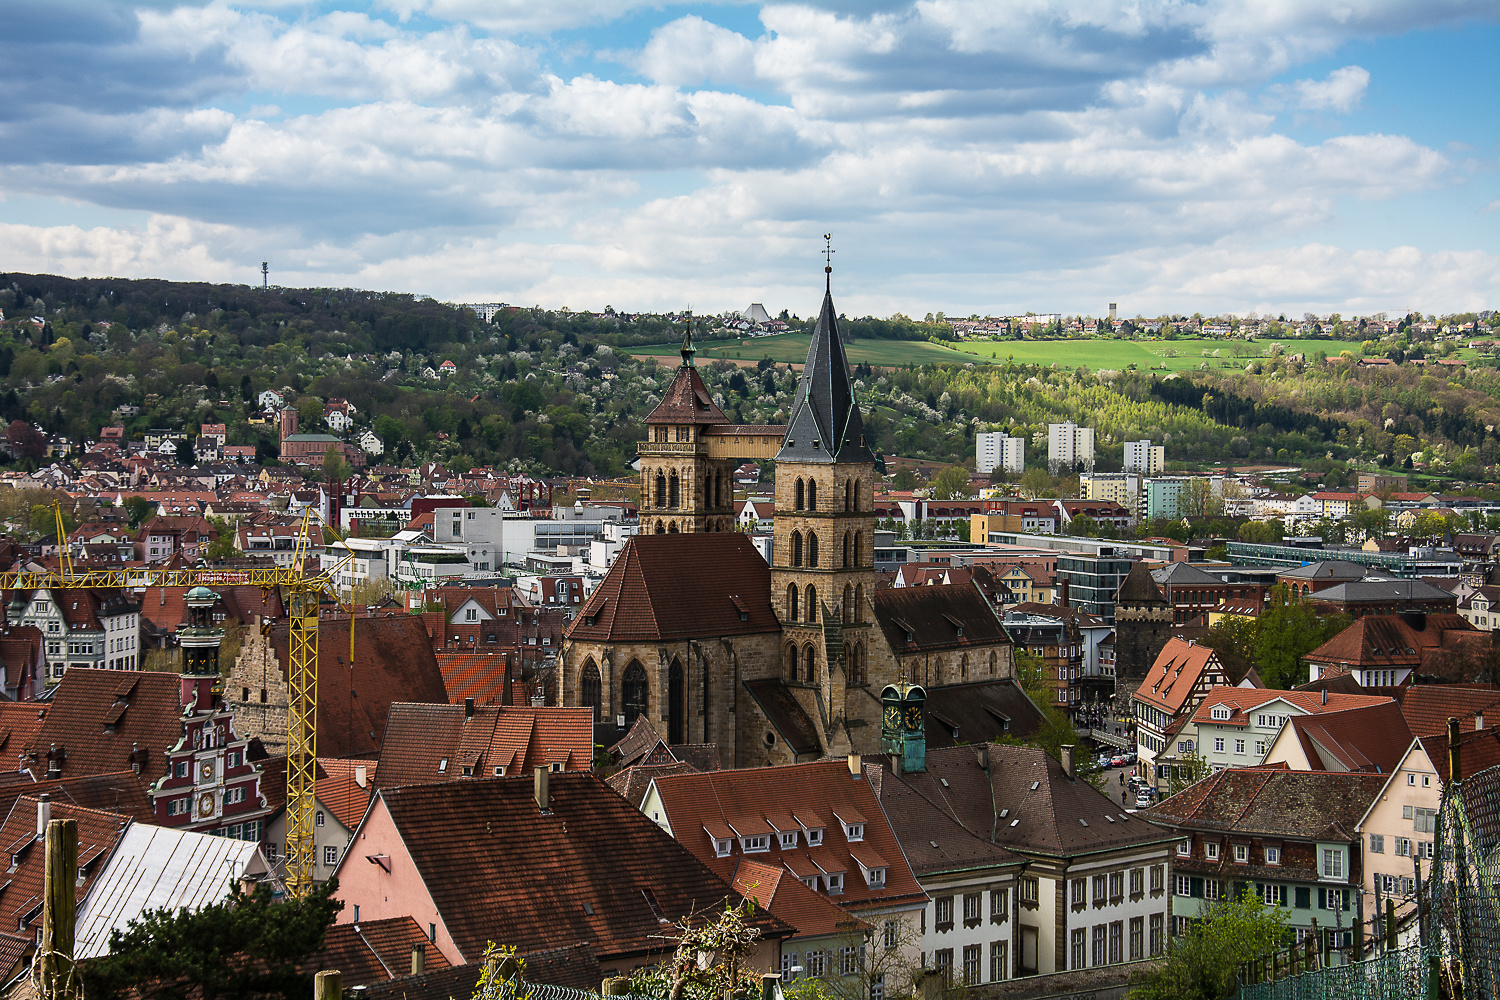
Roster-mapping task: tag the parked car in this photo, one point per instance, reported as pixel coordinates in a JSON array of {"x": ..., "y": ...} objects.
[
  {"x": 1105, "y": 760},
  {"x": 1119, "y": 761},
  {"x": 1143, "y": 798}
]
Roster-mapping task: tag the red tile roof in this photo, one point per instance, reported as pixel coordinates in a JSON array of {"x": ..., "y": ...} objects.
[
  {"x": 1478, "y": 750},
  {"x": 675, "y": 586},
  {"x": 166, "y": 607},
  {"x": 1243, "y": 701},
  {"x": 1427, "y": 707},
  {"x": 1369, "y": 738},
  {"x": 788, "y": 899},
  {"x": 98, "y": 716},
  {"x": 791, "y": 797},
  {"x": 337, "y": 786},
  {"x": 1381, "y": 641},
  {"x": 1313, "y": 805},
  {"x": 951, "y": 616},
  {"x": 435, "y": 743},
  {"x": 1177, "y": 669},
  {"x": 120, "y": 792},
  {"x": 373, "y": 950},
  {"x": 483, "y": 676},
  {"x": 591, "y": 869},
  {"x": 21, "y": 893},
  {"x": 687, "y": 401}
]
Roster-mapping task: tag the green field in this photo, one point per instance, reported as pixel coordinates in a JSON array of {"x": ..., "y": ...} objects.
[{"x": 1174, "y": 355}]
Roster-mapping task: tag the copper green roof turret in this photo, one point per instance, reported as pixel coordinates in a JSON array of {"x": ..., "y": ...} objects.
[{"x": 688, "y": 350}]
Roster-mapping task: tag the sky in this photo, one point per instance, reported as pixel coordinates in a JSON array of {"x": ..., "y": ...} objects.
[{"x": 966, "y": 156}]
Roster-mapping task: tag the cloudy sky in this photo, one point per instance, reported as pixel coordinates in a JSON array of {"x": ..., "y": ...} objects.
[{"x": 967, "y": 155}]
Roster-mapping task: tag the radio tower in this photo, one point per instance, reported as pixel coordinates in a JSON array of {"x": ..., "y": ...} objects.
[{"x": 265, "y": 275}]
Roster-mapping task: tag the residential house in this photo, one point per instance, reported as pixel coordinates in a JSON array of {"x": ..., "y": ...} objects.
[
  {"x": 821, "y": 823},
  {"x": 1094, "y": 889},
  {"x": 1481, "y": 609},
  {"x": 80, "y": 628},
  {"x": 1178, "y": 680},
  {"x": 1387, "y": 650},
  {"x": 164, "y": 536},
  {"x": 426, "y": 743},
  {"x": 754, "y": 512},
  {"x": 23, "y": 660},
  {"x": 1370, "y": 738},
  {"x": 1237, "y": 727},
  {"x": 538, "y": 862},
  {"x": 370, "y": 442},
  {"x": 1287, "y": 835},
  {"x": 341, "y": 793}
]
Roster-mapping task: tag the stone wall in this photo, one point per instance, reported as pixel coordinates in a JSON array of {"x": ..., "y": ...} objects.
[{"x": 256, "y": 691}]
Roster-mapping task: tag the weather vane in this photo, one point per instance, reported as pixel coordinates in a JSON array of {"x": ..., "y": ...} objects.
[{"x": 828, "y": 252}]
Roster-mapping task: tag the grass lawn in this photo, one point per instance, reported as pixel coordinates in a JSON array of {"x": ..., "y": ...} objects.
[{"x": 1172, "y": 355}]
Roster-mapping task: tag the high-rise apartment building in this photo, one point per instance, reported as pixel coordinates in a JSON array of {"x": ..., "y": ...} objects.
[
  {"x": 1142, "y": 457},
  {"x": 1069, "y": 446},
  {"x": 998, "y": 450}
]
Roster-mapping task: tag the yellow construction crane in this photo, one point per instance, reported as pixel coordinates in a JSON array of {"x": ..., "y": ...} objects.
[{"x": 302, "y": 591}]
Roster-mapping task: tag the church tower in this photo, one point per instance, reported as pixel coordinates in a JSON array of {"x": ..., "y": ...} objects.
[
  {"x": 685, "y": 488},
  {"x": 823, "y": 567}
]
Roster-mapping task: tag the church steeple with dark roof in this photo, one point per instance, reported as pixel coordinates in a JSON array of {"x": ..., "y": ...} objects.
[{"x": 825, "y": 426}]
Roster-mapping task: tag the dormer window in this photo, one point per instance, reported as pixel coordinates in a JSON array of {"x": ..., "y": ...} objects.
[
  {"x": 788, "y": 840},
  {"x": 835, "y": 883},
  {"x": 723, "y": 846},
  {"x": 815, "y": 837},
  {"x": 854, "y": 832},
  {"x": 1220, "y": 713},
  {"x": 875, "y": 877},
  {"x": 756, "y": 843}
]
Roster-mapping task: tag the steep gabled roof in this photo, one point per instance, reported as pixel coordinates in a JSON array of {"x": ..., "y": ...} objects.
[
  {"x": 1272, "y": 802},
  {"x": 1381, "y": 641},
  {"x": 98, "y": 716},
  {"x": 949, "y": 616},
  {"x": 1171, "y": 679},
  {"x": 1367, "y": 738},
  {"x": 26, "y": 856},
  {"x": 590, "y": 869},
  {"x": 679, "y": 586},
  {"x": 825, "y": 426},
  {"x": 373, "y": 951},
  {"x": 1139, "y": 588},
  {"x": 1427, "y": 707},
  {"x": 425, "y": 742}
]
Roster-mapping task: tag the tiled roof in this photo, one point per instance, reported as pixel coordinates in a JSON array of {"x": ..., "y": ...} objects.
[
  {"x": 774, "y": 889},
  {"x": 374, "y": 950},
  {"x": 1377, "y": 641},
  {"x": 166, "y": 607},
  {"x": 979, "y": 712},
  {"x": 500, "y": 870},
  {"x": 393, "y": 661},
  {"x": 337, "y": 786},
  {"x": 483, "y": 676},
  {"x": 1173, "y": 675},
  {"x": 1068, "y": 614},
  {"x": 120, "y": 792},
  {"x": 933, "y": 841},
  {"x": 1381, "y": 591},
  {"x": 1312, "y": 805},
  {"x": 1042, "y": 807},
  {"x": 1369, "y": 738},
  {"x": 791, "y": 797},
  {"x": 639, "y": 740},
  {"x": 19, "y": 724},
  {"x": 427, "y": 742},
  {"x": 21, "y": 893},
  {"x": 687, "y": 401},
  {"x": 1478, "y": 750},
  {"x": 825, "y": 424},
  {"x": 1427, "y": 707},
  {"x": 1243, "y": 701},
  {"x": 140, "y": 708},
  {"x": 952, "y": 616},
  {"x": 633, "y": 782},
  {"x": 676, "y": 586},
  {"x": 1139, "y": 588}
]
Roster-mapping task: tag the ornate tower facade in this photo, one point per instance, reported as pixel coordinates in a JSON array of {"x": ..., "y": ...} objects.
[
  {"x": 684, "y": 486},
  {"x": 823, "y": 566}
]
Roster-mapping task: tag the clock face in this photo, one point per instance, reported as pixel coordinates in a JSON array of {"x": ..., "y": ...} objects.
[
  {"x": 914, "y": 717},
  {"x": 205, "y": 804},
  {"x": 206, "y": 770},
  {"x": 892, "y": 717}
]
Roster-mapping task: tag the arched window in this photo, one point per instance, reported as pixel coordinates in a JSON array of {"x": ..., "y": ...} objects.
[
  {"x": 848, "y": 495},
  {"x": 676, "y": 715},
  {"x": 810, "y": 664},
  {"x": 859, "y": 603},
  {"x": 796, "y": 548},
  {"x": 674, "y": 492},
  {"x": 791, "y": 662},
  {"x": 847, "y": 550},
  {"x": 859, "y": 547},
  {"x": 812, "y": 603},
  {"x": 801, "y": 494},
  {"x": 661, "y": 489},
  {"x": 963, "y": 667},
  {"x": 992, "y": 663},
  {"x": 812, "y": 494},
  {"x": 791, "y": 603},
  {"x": 812, "y": 550},
  {"x": 634, "y": 693},
  {"x": 661, "y": 527},
  {"x": 848, "y": 603},
  {"x": 590, "y": 691},
  {"x": 672, "y": 528}
]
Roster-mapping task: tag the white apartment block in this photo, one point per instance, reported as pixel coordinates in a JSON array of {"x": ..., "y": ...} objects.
[
  {"x": 1144, "y": 458},
  {"x": 1123, "y": 488},
  {"x": 998, "y": 450},
  {"x": 1069, "y": 445}
]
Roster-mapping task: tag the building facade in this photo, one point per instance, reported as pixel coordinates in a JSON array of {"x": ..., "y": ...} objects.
[
  {"x": 998, "y": 450},
  {"x": 1070, "y": 447}
]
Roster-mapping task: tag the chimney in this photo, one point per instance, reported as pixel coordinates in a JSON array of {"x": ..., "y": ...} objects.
[
  {"x": 361, "y": 775},
  {"x": 418, "y": 959},
  {"x": 856, "y": 770},
  {"x": 1063, "y": 596},
  {"x": 468, "y": 709},
  {"x": 1455, "y": 772},
  {"x": 1067, "y": 759},
  {"x": 43, "y": 814},
  {"x": 539, "y": 790}
]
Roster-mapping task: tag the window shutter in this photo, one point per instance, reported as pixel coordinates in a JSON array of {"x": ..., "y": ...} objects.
[
  {"x": 1304, "y": 897},
  {"x": 1322, "y": 898},
  {"x": 1346, "y": 899},
  {"x": 1283, "y": 897},
  {"x": 1196, "y": 888}
]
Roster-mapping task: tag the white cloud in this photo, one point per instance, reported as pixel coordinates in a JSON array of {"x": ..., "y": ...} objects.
[
  {"x": 1342, "y": 91},
  {"x": 690, "y": 51}
]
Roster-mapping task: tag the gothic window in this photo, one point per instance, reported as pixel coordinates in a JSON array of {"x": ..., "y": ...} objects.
[
  {"x": 812, "y": 603},
  {"x": 848, "y": 495},
  {"x": 661, "y": 528},
  {"x": 859, "y": 546},
  {"x": 812, "y": 550},
  {"x": 672, "y": 528},
  {"x": 847, "y": 560},
  {"x": 676, "y": 716},
  {"x": 796, "y": 548},
  {"x": 661, "y": 489},
  {"x": 810, "y": 664},
  {"x": 812, "y": 494},
  {"x": 963, "y": 667},
  {"x": 859, "y": 602},
  {"x": 992, "y": 663},
  {"x": 801, "y": 494},
  {"x": 673, "y": 492},
  {"x": 590, "y": 690},
  {"x": 791, "y": 663},
  {"x": 848, "y": 603},
  {"x": 633, "y": 692},
  {"x": 791, "y": 603}
]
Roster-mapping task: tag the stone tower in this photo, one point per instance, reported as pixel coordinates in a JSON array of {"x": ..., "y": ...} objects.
[
  {"x": 1143, "y": 624},
  {"x": 683, "y": 487},
  {"x": 823, "y": 573}
]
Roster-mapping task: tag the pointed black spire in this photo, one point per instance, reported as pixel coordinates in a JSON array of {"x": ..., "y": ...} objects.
[{"x": 825, "y": 424}]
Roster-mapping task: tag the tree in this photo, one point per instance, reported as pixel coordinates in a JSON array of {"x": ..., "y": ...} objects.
[
  {"x": 25, "y": 440},
  {"x": 889, "y": 958},
  {"x": 334, "y": 466},
  {"x": 729, "y": 939},
  {"x": 1204, "y": 963},
  {"x": 951, "y": 484},
  {"x": 1200, "y": 500},
  {"x": 1287, "y": 631},
  {"x": 905, "y": 479},
  {"x": 1367, "y": 524},
  {"x": 44, "y": 520},
  {"x": 138, "y": 509},
  {"x": 1084, "y": 527},
  {"x": 222, "y": 547},
  {"x": 1233, "y": 638},
  {"x": 185, "y": 451},
  {"x": 243, "y": 947},
  {"x": 1262, "y": 532},
  {"x": 1429, "y": 524},
  {"x": 1056, "y": 730}
]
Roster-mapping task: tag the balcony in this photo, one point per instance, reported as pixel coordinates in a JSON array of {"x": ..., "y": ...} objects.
[{"x": 671, "y": 448}]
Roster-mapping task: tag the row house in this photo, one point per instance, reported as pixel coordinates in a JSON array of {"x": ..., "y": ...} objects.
[
  {"x": 1177, "y": 682},
  {"x": 165, "y": 536},
  {"x": 1481, "y": 609},
  {"x": 80, "y": 628},
  {"x": 1243, "y": 727},
  {"x": 1287, "y": 836}
]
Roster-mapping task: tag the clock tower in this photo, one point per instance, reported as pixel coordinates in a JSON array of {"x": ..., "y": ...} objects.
[{"x": 903, "y": 725}]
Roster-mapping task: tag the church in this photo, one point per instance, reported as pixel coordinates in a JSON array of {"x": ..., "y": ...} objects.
[{"x": 775, "y": 663}]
